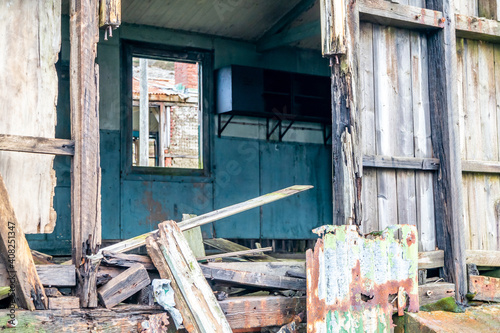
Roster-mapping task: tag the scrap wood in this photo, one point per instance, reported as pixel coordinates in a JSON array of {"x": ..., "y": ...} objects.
[
  {"x": 127, "y": 260},
  {"x": 484, "y": 288},
  {"x": 41, "y": 258},
  {"x": 236, "y": 254},
  {"x": 215, "y": 215},
  {"x": 280, "y": 268},
  {"x": 194, "y": 298},
  {"x": 228, "y": 246},
  {"x": 293, "y": 326}
]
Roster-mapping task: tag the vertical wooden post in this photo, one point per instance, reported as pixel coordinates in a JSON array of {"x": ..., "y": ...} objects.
[
  {"x": 340, "y": 40},
  {"x": 143, "y": 114},
  {"x": 443, "y": 96},
  {"x": 86, "y": 172},
  {"x": 162, "y": 134}
]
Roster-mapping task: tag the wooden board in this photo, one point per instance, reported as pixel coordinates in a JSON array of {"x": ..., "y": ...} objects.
[
  {"x": 28, "y": 98},
  {"x": 485, "y": 288},
  {"x": 228, "y": 246},
  {"x": 127, "y": 260},
  {"x": 16, "y": 256},
  {"x": 194, "y": 298},
  {"x": 57, "y": 275},
  {"x": 483, "y": 258},
  {"x": 275, "y": 268},
  {"x": 64, "y": 303},
  {"x": 432, "y": 292}
]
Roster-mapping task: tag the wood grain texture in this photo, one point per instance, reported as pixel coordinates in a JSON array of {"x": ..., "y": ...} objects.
[
  {"x": 127, "y": 260},
  {"x": 64, "y": 303},
  {"x": 432, "y": 292},
  {"x": 430, "y": 259},
  {"x": 28, "y": 98},
  {"x": 16, "y": 256},
  {"x": 483, "y": 258},
  {"x": 393, "y": 162},
  {"x": 485, "y": 288},
  {"x": 29, "y": 144},
  {"x": 57, "y": 275}
]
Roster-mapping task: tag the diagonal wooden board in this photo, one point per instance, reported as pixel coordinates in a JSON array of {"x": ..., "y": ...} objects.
[{"x": 194, "y": 298}]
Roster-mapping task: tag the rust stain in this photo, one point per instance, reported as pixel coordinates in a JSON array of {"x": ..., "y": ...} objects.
[{"x": 486, "y": 288}]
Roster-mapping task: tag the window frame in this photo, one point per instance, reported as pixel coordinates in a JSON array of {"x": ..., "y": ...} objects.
[{"x": 132, "y": 49}]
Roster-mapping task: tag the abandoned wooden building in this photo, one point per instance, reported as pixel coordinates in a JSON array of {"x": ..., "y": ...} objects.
[{"x": 250, "y": 165}]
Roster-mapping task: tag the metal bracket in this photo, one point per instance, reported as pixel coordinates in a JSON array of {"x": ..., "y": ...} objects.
[
  {"x": 279, "y": 127},
  {"x": 220, "y": 127}
]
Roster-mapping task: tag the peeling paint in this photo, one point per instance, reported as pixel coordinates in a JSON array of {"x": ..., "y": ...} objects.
[{"x": 354, "y": 283}]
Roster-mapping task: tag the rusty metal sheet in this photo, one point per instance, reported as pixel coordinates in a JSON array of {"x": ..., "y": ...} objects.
[
  {"x": 353, "y": 282},
  {"x": 485, "y": 288}
]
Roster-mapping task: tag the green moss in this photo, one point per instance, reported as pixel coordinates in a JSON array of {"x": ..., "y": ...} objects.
[{"x": 445, "y": 304}]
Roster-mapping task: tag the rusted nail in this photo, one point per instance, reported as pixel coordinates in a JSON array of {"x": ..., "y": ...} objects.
[
  {"x": 442, "y": 20},
  {"x": 418, "y": 16}
]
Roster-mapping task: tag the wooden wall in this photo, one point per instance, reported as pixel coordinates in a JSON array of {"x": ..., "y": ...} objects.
[
  {"x": 478, "y": 77},
  {"x": 396, "y": 123}
]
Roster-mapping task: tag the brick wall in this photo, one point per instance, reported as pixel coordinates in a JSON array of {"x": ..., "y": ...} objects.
[{"x": 186, "y": 74}]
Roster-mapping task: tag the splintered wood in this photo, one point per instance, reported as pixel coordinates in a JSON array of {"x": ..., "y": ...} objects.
[{"x": 194, "y": 298}]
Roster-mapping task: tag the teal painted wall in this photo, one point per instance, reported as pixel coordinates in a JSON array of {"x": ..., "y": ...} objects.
[{"x": 244, "y": 164}]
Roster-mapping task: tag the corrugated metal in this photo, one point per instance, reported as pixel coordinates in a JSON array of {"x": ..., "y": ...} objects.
[{"x": 353, "y": 282}]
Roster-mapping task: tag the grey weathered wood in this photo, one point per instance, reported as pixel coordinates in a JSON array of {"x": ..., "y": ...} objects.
[
  {"x": 215, "y": 215},
  {"x": 127, "y": 260},
  {"x": 174, "y": 260},
  {"x": 432, "y": 292},
  {"x": 392, "y": 162},
  {"x": 29, "y": 144},
  {"x": 399, "y": 15},
  {"x": 445, "y": 138},
  {"x": 57, "y": 275},
  {"x": 260, "y": 280},
  {"x": 54, "y": 292},
  {"x": 86, "y": 171},
  {"x": 236, "y": 254},
  {"x": 277, "y": 268},
  {"x": 481, "y": 166},
  {"x": 64, "y": 303},
  {"x": 484, "y": 288},
  {"x": 477, "y": 28},
  {"x": 123, "y": 286},
  {"x": 483, "y": 258},
  {"x": 430, "y": 259},
  {"x": 143, "y": 114},
  {"x": 15, "y": 254},
  {"x": 162, "y": 133}
]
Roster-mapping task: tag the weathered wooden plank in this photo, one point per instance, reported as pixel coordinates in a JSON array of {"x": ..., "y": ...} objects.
[
  {"x": 261, "y": 280},
  {"x": 64, "y": 303},
  {"x": 110, "y": 13},
  {"x": 485, "y": 288},
  {"x": 123, "y": 286},
  {"x": 194, "y": 237},
  {"x": 442, "y": 52},
  {"x": 333, "y": 17},
  {"x": 127, "y": 260},
  {"x": 215, "y": 215},
  {"x": 41, "y": 258},
  {"x": 174, "y": 260},
  {"x": 483, "y": 258},
  {"x": 228, "y": 246},
  {"x": 237, "y": 253},
  {"x": 15, "y": 254},
  {"x": 430, "y": 259},
  {"x": 399, "y": 15},
  {"x": 432, "y": 292},
  {"x": 393, "y": 162},
  {"x": 143, "y": 113},
  {"x": 86, "y": 171},
  {"x": 481, "y": 166},
  {"x": 472, "y": 27},
  {"x": 57, "y": 275},
  {"x": 29, "y": 144},
  {"x": 28, "y": 98}
]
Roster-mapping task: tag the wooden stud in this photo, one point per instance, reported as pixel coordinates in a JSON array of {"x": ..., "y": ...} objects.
[{"x": 15, "y": 254}]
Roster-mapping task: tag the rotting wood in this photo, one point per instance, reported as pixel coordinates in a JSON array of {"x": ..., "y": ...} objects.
[
  {"x": 127, "y": 260},
  {"x": 29, "y": 144},
  {"x": 53, "y": 292},
  {"x": 472, "y": 27},
  {"x": 110, "y": 13},
  {"x": 483, "y": 258},
  {"x": 156, "y": 323},
  {"x": 228, "y": 246},
  {"x": 443, "y": 92},
  {"x": 194, "y": 298},
  {"x": 215, "y": 215},
  {"x": 41, "y": 258},
  {"x": 484, "y": 288},
  {"x": 411, "y": 163},
  {"x": 430, "y": 259},
  {"x": 432, "y": 292},
  {"x": 64, "y": 303},
  {"x": 280, "y": 268},
  {"x": 399, "y": 15},
  {"x": 123, "y": 286},
  {"x": 85, "y": 167},
  {"x": 57, "y": 275},
  {"x": 261, "y": 280},
  {"x": 236, "y": 254},
  {"x": 15, "y": 254},
  {"x": 194, "y": 237}
]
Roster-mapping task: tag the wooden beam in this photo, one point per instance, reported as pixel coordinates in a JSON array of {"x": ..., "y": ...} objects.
[
  {"x": 412, "y": 163},
  {"x": 213, "y": 216},
  {"x": 432, "y": 292},
  {"x": 236, "y": 254},
  {"x": 123, "y": 286},
  {"x": 16, "y": 256},
  {"x": 57, "y": 275},
  {"x": 194, "y": 298},
  {"x": 30, "y": 144},
  {"x": 484, "y": 288},
  {"x": 472, "y": 27},
  {"x": 340, "y": 39},
  {"x": 431, "y": 259},
  {"x": 85, "y": 167},
  {"x": 292, "y": 35},
  {"x": 481, "y": 166},
  {"x": 483, "y": 258},
  {"x": 260, "y": 280},
  {"x": 448, "y": 201},
  {"x": 399, "y": 15}
]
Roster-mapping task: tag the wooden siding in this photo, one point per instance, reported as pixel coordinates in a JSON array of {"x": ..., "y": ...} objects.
[
  {"x": 396, "y": 122},
  {"x": 478, "y": 78}
]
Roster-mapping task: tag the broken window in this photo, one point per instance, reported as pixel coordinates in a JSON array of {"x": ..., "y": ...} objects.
[{"x": 166, "y": 113}]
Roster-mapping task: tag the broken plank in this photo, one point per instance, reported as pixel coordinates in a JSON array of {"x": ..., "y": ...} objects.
[
  {"x": 30, "y": 144},
  {"x": 430, "y": 259},
  {"x": 483, "y": 258},
  {"x": 213, "y": 216},
  {"x": 274, "y": 268},
  {"x": 261, "y": 311},
  {"x": 432, "y": 292},
  {"x": 127, "y": 260},
  {"x": 236, "y": 254},
  {"x": 228, "y": 246},
  {"x": 64, "y": 303},
  {"x": 156, "y": 323},
  {"x": 261, "y": 280},
  {"x": 484, "y": 288},
  {"x": 472, "y": 27},
  {"x": 15, "y": 254},
  {"x": 57, "y": 275},
  {"x": 174, "y": 260},
  {"x": 123, "y": 286},
  {"x": 52, "y": 292},
  {"x": 41, "y": 258}
]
